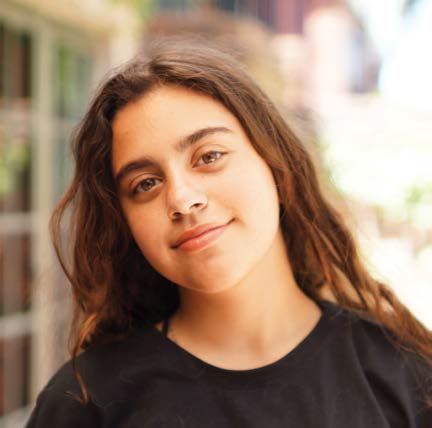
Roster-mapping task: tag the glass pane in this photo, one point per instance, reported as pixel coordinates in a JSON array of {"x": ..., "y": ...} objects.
[
  {"x": 15, "y": 172},
  {"x": 15, "y": 120},
  {"x": 72, "y": 71},
  {"x": 14, "y": 373},
  {"x": 16, "y": 64},
  {"x": 63, "y": 164},
  {"x": 72, "y": 76},
  {"x": 15, "y": 274}
]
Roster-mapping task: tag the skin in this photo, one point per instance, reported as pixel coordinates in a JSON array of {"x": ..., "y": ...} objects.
[{"x": 240, "y": 307}]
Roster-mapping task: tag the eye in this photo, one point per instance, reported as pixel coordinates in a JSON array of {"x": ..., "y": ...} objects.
[
  {"x": 212, "y": 155},
  {"x": 144, "y": 186}
]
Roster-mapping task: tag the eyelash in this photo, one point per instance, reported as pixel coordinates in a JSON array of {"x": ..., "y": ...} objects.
[{"x": 136, "y": 191}]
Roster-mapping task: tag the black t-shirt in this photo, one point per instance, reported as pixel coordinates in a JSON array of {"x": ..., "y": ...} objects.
[{"x": 345, "y": 373}]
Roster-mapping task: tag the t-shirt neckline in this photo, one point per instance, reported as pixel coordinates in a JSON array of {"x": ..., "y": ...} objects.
[{"x": 300, "y": 354}]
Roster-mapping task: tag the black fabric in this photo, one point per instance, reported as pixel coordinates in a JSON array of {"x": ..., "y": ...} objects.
[
  {"x": 345, "y": 373},
  {"x": 165, "y": 326}
]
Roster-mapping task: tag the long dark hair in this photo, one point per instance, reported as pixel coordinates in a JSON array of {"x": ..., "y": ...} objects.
[{"x": 115, "y": 288}]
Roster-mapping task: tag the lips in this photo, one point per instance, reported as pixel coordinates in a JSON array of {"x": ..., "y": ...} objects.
[{"x": 195, "y": 232}]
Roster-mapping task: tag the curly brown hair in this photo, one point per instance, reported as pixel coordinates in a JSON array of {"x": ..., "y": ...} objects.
[{"x": 115, "y": 288}]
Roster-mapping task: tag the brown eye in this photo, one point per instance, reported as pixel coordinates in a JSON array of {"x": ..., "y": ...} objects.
[
  {"x": 212, "y": 156},
  {"x": 143, "y": 186},
  {"x": 146, "y": 185}
]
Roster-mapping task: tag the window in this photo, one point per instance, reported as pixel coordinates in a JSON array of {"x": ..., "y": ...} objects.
[
  {"x": 30, "y": 184},
  {"x": 16, "y": 49}
]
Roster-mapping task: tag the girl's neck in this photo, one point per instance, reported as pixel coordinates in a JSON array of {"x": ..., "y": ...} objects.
[{"x": 262, "y": 317}]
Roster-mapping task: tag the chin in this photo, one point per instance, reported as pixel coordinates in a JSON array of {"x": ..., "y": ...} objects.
[
  {"x": 210, "y": 290},
  {"x": 216, "y": 284}
]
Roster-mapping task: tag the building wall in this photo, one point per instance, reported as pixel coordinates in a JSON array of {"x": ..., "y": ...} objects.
[{"x": 51, "y": 56}]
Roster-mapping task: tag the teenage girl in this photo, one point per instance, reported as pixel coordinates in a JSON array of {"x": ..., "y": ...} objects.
[{"x": 213, "y": 284}]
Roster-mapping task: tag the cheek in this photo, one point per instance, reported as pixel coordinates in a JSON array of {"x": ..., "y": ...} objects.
[
  {"x": 145, "y": 229},
  {"x": 257, "y": 193},
  {"x": 149, "y": 232}
]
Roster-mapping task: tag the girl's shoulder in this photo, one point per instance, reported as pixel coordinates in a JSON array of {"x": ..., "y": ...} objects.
[
  {"x": 380, "y": 356},
  {"x": 106, "y": 370},
  {"x": 370, "y": 339}
]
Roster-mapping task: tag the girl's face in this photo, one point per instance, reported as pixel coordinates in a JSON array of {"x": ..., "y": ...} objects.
[{"x": 181, "y": 160}]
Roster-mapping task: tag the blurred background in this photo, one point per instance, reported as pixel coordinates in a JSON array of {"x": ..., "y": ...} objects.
[{"x": 352, "y": 77}]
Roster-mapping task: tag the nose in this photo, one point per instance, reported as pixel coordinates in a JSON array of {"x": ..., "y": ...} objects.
[{"x": 184, "y": 198}]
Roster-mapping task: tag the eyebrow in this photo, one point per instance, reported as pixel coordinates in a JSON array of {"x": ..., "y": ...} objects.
[{"x": 180, "y": 146}]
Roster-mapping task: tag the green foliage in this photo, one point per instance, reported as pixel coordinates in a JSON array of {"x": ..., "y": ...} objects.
[
  {"x": 14, "y": 160},
  {"x": 418, "y": 205},
  {"x": 419, "y": 194}
]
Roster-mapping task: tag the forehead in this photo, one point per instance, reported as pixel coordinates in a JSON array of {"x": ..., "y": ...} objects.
[
  {"x": 169, "y": 112},
  {"x": 154, "y": 124}
]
